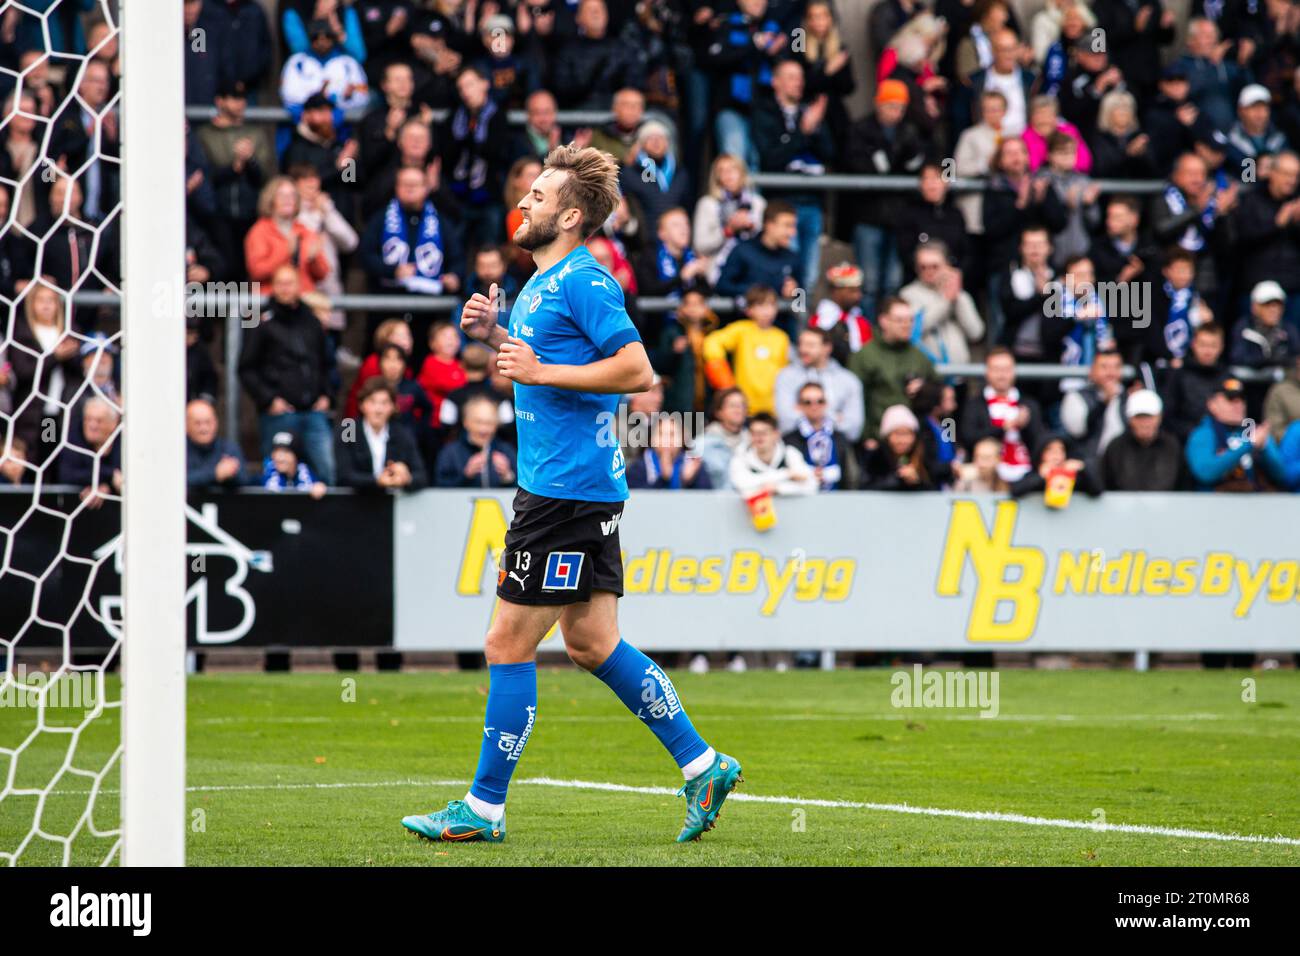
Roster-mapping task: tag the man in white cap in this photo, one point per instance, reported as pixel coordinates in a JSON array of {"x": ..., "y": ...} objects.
[
  {"x": 1144, "y": 458},
  {"x": 1253, "y": 136},
  {"x": 1262, "y": 339}
]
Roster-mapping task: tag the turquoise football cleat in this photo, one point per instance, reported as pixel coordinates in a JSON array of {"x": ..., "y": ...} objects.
[
  {"x": 457, "y": 824},
  {"x": 705, "y": 794}
]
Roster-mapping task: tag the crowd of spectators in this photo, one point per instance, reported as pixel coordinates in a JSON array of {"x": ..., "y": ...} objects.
[{"x": 399, "y": 168}]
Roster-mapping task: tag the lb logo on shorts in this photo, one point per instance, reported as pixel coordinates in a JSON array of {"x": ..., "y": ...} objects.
[{"x": 563, "y": 569}]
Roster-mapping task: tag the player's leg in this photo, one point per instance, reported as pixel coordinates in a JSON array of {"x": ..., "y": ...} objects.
[
  {"x": 592, "y": 640},
  {"x": 511, "y": 651}
]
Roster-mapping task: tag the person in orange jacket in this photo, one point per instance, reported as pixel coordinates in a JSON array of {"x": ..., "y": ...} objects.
[{"x": 278, "y": 238}]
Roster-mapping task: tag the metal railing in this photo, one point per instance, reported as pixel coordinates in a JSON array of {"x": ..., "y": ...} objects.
[
  {"x": 1042, "y": 371},
  {"x": 237, "y": 308},
  {"x": 845, "y": 182},
  {"x": 278, "y": 114},
  {"x": 220, "y": 305},
  {"x": 826, "y": 182}
]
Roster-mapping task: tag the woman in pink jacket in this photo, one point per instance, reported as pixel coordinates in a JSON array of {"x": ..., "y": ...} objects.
[{"x": 1044, "y": 120}]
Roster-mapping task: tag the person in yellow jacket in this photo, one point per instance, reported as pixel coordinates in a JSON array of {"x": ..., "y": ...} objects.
[{"x": 748, "y": 353}]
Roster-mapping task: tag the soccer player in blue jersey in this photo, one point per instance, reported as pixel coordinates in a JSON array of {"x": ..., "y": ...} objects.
[{"x": 571, "y": 351}]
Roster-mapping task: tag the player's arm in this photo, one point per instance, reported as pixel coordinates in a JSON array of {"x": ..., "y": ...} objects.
[
  {"x": 597, "y": 309},
  {"x": 478, "y": 319},
  {"x": 627, "y": 370}
]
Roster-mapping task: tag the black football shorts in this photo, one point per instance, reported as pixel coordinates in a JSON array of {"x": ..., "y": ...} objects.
[{"x": 558, "y": 551}]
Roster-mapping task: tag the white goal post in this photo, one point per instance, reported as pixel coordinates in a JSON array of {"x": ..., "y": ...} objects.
[{"x": 153, "y": 434}]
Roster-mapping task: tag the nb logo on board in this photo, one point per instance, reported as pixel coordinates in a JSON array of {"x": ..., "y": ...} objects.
[{"x": 993, "y": 557}]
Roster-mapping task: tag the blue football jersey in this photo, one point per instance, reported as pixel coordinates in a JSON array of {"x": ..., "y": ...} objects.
[{"x": 571, "y": 314}]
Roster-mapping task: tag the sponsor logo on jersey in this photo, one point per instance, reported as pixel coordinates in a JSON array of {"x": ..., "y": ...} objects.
[{"x": 563, "y": 570}]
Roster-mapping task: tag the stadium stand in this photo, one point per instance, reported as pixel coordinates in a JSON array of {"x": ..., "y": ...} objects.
[{"x": 1075, "y": 223}]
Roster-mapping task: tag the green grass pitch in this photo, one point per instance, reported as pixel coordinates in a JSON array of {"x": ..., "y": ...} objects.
[{"x": 317, "y": 769}]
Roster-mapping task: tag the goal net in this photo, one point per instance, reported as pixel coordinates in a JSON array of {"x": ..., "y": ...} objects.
[{"x": 85, "y": 652}]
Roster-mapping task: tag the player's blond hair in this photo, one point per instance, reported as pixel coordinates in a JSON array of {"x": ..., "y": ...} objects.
[{"x": 591, "y": 186}]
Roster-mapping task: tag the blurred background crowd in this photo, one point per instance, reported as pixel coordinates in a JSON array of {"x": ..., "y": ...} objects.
[{"x": 1071, "y": 245}]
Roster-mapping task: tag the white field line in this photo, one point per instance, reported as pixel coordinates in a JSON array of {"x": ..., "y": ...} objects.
[
  {"x": 938, "y": 812},
  {"x": 914, "y": 713},
  {"x": 985, "y": 815}
]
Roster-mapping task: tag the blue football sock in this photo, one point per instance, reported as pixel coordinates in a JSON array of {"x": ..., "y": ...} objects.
[
  {"x": 646, "y": 691},
  {"x": 511, "y": 710}
]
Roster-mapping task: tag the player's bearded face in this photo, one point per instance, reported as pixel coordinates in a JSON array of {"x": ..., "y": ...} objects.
[{"x": 534, "y": 233}]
